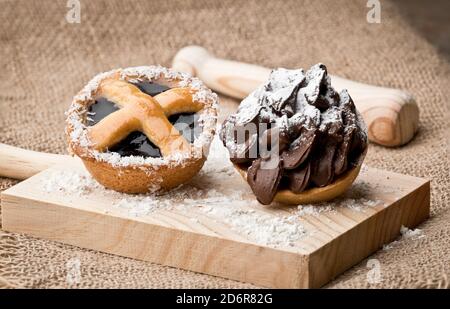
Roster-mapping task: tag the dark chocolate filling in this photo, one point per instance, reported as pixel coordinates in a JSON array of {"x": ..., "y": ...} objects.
[
  {"x": 151, "y": 89},
  {"x": 99, "y": 110},
  {"x": 137, "y": 143}
]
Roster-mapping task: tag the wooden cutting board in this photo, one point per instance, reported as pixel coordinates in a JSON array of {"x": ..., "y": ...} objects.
[{"x": 214, "y": 225}]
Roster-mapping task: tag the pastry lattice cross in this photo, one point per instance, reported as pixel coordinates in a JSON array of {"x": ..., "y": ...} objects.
[{"x": 142, "y": 112}]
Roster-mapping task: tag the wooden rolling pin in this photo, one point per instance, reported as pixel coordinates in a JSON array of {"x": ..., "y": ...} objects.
[
  {"x": 391, "y": 115},
  {"x": 18, "y": 163}
]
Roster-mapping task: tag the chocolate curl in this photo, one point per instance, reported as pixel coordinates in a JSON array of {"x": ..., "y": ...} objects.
[
  {"x": 341, "y": 158},
  {"x": 359, "y": 140},
  {"x": 316, "y": 85},
  {"x": 322, "y": 172},
  {"x": 272, "y": 142},
  {"x": 264, "y": 182},
  {"x": 248, "y": 111},
  {"x": 358, "y": 147},
  {"x": 296, "y": 155},
  {"x": 282, "y": 92},
  {"x": 349, "y": 119},
  {"x": 244, "y": 150},
  {"x": 299, "y": 178},
  {"x": 282, "y": 101}
]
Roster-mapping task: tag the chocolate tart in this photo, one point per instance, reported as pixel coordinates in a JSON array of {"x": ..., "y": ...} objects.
[{"x": 295, "y": 140}]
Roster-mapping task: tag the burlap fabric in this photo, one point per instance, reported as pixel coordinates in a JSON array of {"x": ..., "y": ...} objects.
[{"x": 45, "y": 60}]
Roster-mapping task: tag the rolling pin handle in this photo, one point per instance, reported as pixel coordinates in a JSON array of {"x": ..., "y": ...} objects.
[{"x": 18, "y": 163}]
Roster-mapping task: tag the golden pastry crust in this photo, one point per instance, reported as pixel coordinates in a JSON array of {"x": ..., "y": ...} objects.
[
  {"x": 145, "y": 178},
  {"x": 181, "y": 160}
]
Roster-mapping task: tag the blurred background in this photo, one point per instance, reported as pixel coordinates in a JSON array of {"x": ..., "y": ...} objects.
[{"x": 431, "y": 19}]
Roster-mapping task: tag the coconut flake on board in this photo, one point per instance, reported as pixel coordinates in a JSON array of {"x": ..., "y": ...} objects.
[
  {"x": 235, "y": 207},
  {"x": 406, "y": 233}
]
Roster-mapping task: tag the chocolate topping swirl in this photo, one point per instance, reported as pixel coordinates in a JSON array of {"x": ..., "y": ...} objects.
[{"x": 297, "y": 122}]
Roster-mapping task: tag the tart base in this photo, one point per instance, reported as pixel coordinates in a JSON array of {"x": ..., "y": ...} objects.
[
  {"x": 142, "y": 179},
  {"x": 314, "y": 195}
]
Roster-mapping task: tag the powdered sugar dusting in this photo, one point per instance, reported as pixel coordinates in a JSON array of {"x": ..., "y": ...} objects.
[{"x": 295, "y": 92}]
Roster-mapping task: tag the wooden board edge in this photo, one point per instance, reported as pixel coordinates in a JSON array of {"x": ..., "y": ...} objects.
[
  {"x": 125, "y": 237},
  {"x": 409, "y": 211}
]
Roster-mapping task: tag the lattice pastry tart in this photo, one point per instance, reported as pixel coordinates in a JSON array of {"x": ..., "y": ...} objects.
[
  {"x": 142, "y": 129},
  {"x": 302, "y": 142}
]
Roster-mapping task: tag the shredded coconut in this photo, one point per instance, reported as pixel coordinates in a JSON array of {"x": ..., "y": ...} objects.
[
  {"x": 406, "y": 233},
  {"x": 71, "y": 182},
  {"x": 409, "y": 233},
  {"x": 232, "y": 204},
  {"x": 356, "y": 199}
]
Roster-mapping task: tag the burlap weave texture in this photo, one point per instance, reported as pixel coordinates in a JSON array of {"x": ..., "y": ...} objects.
[{"x": 45, "y": 60}]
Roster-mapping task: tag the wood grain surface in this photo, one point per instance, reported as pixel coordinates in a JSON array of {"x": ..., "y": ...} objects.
[{"x": 335, "y": 240}]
